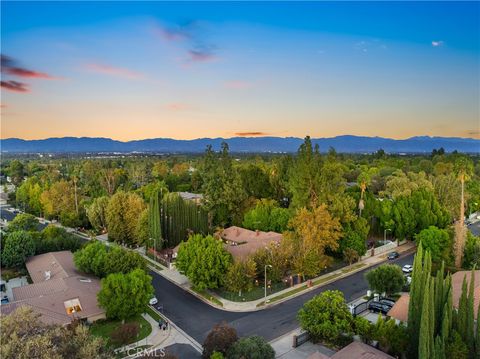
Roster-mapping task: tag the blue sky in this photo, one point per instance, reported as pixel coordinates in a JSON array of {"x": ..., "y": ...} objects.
[{"x": 184, "y": 70}]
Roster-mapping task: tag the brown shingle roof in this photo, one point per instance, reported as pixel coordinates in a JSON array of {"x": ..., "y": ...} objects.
[
  {"x": 59, "y": 264},
  {"x": 357, "y": 350},
  {"x": 243, "y": 242},
  {"x": 400, "y": 309},
  {"x": 48, "y": 296}
]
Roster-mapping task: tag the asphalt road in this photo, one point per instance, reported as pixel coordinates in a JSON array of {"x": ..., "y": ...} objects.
[
  {"x": 475, "y": 228},
  {"x": 197, "y": 318}
]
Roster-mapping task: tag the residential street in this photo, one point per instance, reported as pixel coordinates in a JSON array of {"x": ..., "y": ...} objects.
[{"x": 197, "y": 318}]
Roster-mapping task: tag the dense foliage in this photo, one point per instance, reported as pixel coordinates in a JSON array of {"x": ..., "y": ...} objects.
[
  {"x": 204, "y": 261},
  {"x": 387, "y": 278},
  {"x": 23, "y": 335},
  {"x": 125, "y": 295}
]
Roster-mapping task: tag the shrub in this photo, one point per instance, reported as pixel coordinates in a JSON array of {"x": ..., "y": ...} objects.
[
  {"x": 219, "y": 340},
  {"x": 125, "y": 333}
]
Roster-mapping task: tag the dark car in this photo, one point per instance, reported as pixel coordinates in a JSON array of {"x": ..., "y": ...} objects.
[
  {"x": 393, "y": 255},
  {"x": 387, "y": 301},
  {"x": 378, "y": 307}
]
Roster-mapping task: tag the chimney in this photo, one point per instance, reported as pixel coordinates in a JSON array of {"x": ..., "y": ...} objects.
[{"x": 47, "y": 275}]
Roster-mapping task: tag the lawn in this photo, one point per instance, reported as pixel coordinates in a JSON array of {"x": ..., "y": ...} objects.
[
  {"x": 105, "y": 328},
  {"x": 254, "y": 294}
]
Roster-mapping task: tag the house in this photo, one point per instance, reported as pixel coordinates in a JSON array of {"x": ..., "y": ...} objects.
[
  {"x": 400, "y": 310},
  {"x": 355, "y": 350},
  {"x": 59, "y": 293},
  {"x": 241, "y": 242}
]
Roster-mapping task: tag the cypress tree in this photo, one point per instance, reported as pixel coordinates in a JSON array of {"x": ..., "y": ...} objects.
[
  {"x": 415, "y": 304},
  {"x": 463, "y": 312},
  {"x": 447, "y": 316},
  {"x": 439, "y": 351},
  {"x": 477, "y": 335},
  {"x": 425, "y": 339},
  {"x": 469, "y": 327},
  {"x": 439, "y": 298},
  {"x": 431, "y": 315}
]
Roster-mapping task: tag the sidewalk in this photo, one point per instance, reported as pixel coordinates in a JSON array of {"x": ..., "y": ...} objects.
[{"x": 279, "y": 297}]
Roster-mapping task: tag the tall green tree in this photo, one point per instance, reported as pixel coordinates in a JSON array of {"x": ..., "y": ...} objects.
[
  {"x": 204, "y": 261},
  {"x": 386, "y": 278},
  {"x": 19, "y": 245},
  {"x": 125, "y": 295},
  {"x": 122, "y": 215}
]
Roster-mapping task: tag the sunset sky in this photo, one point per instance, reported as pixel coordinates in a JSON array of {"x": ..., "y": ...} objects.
[{"x": 187, "y": 70}]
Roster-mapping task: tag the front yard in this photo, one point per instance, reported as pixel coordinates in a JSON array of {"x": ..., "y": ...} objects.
[{"x": 105, "y": 328}]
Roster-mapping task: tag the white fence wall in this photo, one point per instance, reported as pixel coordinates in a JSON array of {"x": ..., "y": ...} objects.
[{"x": 379, "y": 250}]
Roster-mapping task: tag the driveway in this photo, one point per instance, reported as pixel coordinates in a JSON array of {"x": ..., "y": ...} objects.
[{"x": 196, "y": 318}]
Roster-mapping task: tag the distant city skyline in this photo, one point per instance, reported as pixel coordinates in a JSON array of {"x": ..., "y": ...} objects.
[{"x": 127, "y": 71}]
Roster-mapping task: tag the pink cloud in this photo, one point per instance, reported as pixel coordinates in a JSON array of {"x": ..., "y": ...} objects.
[
  {"x": 114, "y": 71},
  {"x": 238, "y": 85},
  {"x": 14, "y": 86},
  {"x": 177, "y": 106}
]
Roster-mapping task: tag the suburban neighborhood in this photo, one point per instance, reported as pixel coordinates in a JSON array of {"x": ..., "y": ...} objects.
[{"x": 240, "y": 180}]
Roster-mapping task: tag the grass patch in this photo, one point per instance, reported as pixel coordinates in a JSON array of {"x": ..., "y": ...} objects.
[
  {"x": 105, "y": 327},
  {"x": 254, "y": 294},
  {"x": 153, "y": 313},
  {"x": 353, "y": 267},
  {"x": 208, "y": 296}
]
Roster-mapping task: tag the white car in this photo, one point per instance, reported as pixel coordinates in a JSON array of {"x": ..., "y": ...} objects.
[
  {"x": 407, "y": 268},
  {"x": 153, "y": 301},
  {"x": 409, "y": 279}
]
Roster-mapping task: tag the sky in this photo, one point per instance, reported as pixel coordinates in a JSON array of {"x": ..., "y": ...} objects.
[{"x": 184, "y": 70}]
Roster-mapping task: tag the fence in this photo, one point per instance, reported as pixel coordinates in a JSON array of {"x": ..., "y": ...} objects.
[{"x": 382, "y": 249}]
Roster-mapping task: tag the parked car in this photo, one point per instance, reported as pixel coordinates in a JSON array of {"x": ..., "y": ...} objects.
[
  {"x": 409, "y": 279},
  {"x": 407, "y": 268},
  {"x": 378, "y": 307},
  {"x": 153, "y": 301},
  {"x": 393, "y": 255},
  {"x": 387, "y": 301}
]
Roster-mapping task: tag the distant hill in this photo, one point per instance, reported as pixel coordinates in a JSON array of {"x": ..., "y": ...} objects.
[{"x": 345, "y": 144}]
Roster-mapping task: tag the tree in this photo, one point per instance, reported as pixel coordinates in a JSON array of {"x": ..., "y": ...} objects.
[
  {"x": 255, "y": 181},
  {"x": 16, "y": 171},
  {"x": 456, "y": 348},
  {"x": 122, "y": 217},
  {"x": 59, "y": 201},
  {"x": 392, "y": 338},
  {"x": 100, "y": 260},
  {"x": 437, "y": 241},
  {"x": 471, "y": 256},
  {"x": 463, "y": 169},
  {"x": 23, "y": 222},
  {"x": 267, "y": 216},
  {"x": 222, "y": 186},
  {"x": 313, "y": 233},
  {"x": 219, "y": 340},
  {"x": 54, "y": 238},
  {"x": 92, "y": 259},
  {"x": 425, "y": 345},
  {"x": 253, "y": 347},
  {"x": 23, "y": 335},
  {"x": 28, "y": 195},
  {"x": 240, "y": 276},
  {"x": 125, "y": 333},
  {"x": 154, "y": 225},
  {"x": 19, "y": 246},
  {"x": 97, "y": 213},
  {"x": 326, "y": 316},
  {"x": 387, "y": 278},
  {"x": 204, "y": 261},
  {"x": 125, "y": 295},
  {"x": 364, "y": 329}
]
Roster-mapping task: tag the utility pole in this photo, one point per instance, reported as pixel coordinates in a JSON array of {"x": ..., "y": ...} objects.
[{"x": 266, "y": 265}]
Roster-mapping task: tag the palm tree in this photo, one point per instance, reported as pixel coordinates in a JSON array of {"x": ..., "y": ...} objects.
[
  {"x": 364, "y": 179},
  {"x": 463, "y": 169}
]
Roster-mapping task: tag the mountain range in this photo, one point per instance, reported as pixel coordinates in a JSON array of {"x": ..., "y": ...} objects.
[{"x": 345, "y": 144}]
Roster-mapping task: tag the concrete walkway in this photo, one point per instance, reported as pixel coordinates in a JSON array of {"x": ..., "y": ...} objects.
[{"x": 175, "y": 277}]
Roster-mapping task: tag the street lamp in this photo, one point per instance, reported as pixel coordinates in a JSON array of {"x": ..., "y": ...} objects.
[
  {"x": 266, "y": 265},
  {"x": 385, "y": 235}
]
